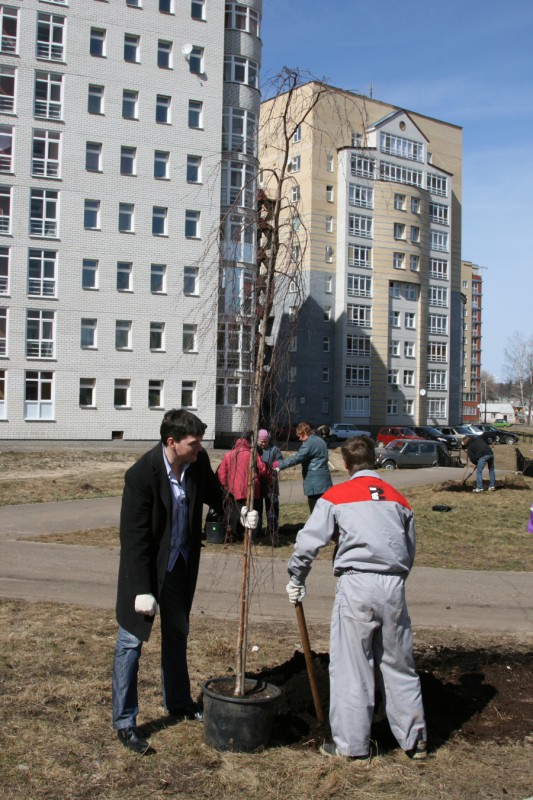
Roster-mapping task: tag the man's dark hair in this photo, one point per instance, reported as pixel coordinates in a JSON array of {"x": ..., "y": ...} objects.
[
  {"x": 179, "y": 423},
  {"x": 359, "y": 452}
]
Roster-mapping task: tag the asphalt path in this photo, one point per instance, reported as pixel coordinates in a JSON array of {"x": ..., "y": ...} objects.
[{"x": 86, "y": 576}]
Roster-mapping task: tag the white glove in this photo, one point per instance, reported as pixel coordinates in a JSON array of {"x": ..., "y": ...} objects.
[
  {"x": 249, "y": 519},
  {"x": 146, "y": 604},
  {"x": 295, "y": 591}
]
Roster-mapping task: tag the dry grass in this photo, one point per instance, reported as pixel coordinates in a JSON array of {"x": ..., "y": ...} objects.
[{"x": 57, "y": 742}]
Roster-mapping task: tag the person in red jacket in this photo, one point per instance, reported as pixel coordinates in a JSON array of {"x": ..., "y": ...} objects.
[{"x": 233, "y": 475}]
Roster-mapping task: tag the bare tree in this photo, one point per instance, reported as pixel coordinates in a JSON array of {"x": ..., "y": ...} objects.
[{"x": 519, "y": 368}]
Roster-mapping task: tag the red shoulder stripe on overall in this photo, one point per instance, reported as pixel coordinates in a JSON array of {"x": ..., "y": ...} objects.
[{"x": 364, "y": 489}]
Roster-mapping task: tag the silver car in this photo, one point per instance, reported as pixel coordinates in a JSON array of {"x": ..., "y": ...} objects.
[
  {"x": 340, "y": 430},
  {"x": 412, "y": 453}
]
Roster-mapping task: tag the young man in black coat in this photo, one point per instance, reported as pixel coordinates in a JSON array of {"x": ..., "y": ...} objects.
[{"x": 160, "y": 538}]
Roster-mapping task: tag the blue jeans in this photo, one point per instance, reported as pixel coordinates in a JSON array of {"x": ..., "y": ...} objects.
[
  {"x": 174, "y": 672},
  {"x": 489, "y": 460}
]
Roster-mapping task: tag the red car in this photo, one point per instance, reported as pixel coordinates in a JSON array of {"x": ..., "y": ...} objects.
[{"x": 391, "y": 432}]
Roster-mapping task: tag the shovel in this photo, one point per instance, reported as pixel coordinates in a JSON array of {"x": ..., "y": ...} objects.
[{"x": 300, "y": 616}]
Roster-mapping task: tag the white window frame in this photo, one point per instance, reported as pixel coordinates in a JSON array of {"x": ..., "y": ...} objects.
[
  {"x": 409, "y": 377},
  {"x": 398, "y": 260},
  {"x": 437, "y": 352},
  {"x": 191, "y": 281},
  {"x": 121, "y": 390},
  {"x": 91, "y": 215},
  {"x": 437, "y": 184},
  {"x": 93, "y": 156},
  {"x": 40, "y": 406},
  {"x": 188, "y": 394},
  {"x": 49, "y": 105},
  {"x": 194, "y": 169},
  {"x": 359, "y": 286},
  {"x": 42, "y": 273},
  {"x": 163, "y": 109},
  {"x": 437, "y": 380},
  {"x": 159, "y": 221},
  {"x": 40, "y": 333},
  {"x": 132, "y": 48},
  {"x": 123, "y": 334},
  {"x": 362, "y": 196},
  {"x": 158, "y": 278},
  {"x": 360, "y": 225},
  {"x": 242, "y": 18},
  {"x": 196, "y": 60},
  {"x": 89, "y": 268},
  {"x": 359, "y": 256},
  {"x": 357, "y": 406},
  {"x": 88, "y": 332},
  {"x": 46, "y": 153},
  {"x": 438, "y": 296},
  {"x": 124, "y": 277},
  {"x": 97, "y": 42},
  {"x": 192, "y": 224},
  {"x": 439, "y": 241},
  {"x": 401, "y": 147},
  {"x": 164, "y": 54},
  {"x": 438, "y": 324},
  {"x": 198, "y": 9},
  {"x": 130, "y": 101},
  {"x": 8, "y": 40},
  {"x": 161, "y": 157},
  {"x": 239, "y": 126},
  {"x": 157, "y": 337},
  {"x": 357, "y": 375},
  {"x": 438, "y": 212},
  {"x": 155, "y": 393},
  {"x": 87, "y": 385},
  {"x": 126, "y": 213},
  {"x": 189, "y": 337},
  {"x": 51, "y": 36},
  {"x": 4, "y": 315},
  {"x": 5, "y": 209},
  {"x": 195, "y": 115},
  {"x": 128, "y": 160},
  {"x": 5, "y": 263},
  {"x": 362, "y": 166},
  {"x": 398, "y": 174},
  {"x": 359, "y": 315},
  {"x": 95, "y": 99},
  {"x": 410, "y": 320},
  {"x": 46, "y": 222},
  {"x": 239, "y": 69},
  {"x": 7, "y": 141}
]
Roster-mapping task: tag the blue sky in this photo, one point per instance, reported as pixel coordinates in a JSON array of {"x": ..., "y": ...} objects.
[{"x": 468, "y": 62}]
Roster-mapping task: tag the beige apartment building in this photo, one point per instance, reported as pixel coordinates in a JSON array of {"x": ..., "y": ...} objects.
[
  {"x": 372, "y": 303},
  {"x": 472, "y": 289}
]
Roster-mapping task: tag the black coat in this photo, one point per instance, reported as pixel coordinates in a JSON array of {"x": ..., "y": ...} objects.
[
  {"x": 145, "y": 520},
  {"x": 479, "y": 446}
]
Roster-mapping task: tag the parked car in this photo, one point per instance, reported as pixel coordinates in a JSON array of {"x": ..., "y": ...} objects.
[
  {"x": 459, "y": 431},
  {"x": 388, "y": 433},
  {"x": 341, "y": 430},
  {"x": 502, "y": 436},
  {"x": 501, "y": 423},
  {"x": 412, "y": 453},
  {"x": 428, "y": 432}
]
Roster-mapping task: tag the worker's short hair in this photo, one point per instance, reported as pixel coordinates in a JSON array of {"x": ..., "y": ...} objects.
[
  {"x": 359, "y": 452},
  {"x": 179, "y": 423},
  {"x": 303, "y": 429}
]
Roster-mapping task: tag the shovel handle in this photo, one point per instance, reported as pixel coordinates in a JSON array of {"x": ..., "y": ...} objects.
[{"x": 300, "y": 616}]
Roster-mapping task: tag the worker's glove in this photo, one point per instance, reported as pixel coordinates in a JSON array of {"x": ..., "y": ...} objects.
[
  {"x": 146, "y": 604},
  {"x": 295, "y": 590},
  {"x": 249, "y": 519}
]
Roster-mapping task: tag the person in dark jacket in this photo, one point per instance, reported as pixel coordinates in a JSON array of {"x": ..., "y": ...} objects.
[
  {"x": 480, "y": 453},
  {"x": 160, "y": 540},
  {"x": 313, "y": 456},
  {"x": 270, "y": 454}
]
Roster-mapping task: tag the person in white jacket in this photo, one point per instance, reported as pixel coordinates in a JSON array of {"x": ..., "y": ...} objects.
[{"x": 370, "y": 626}]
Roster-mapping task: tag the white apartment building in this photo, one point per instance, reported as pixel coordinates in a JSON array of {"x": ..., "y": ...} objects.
[
  {"x": 377, "y": 192},
  {"x": 112, "y": 185}
]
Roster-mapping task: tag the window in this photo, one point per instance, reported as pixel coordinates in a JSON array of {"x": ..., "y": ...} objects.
[
  {"x": 128, "y": 160},
  {"x": 97, "y": 42},
  {"x": 192, "y": 224},
  {"x": 238, "y": 69},
  {"x": 359, "y": 256},
  {"x": 330, "y": 253},
  {"x": 50, "y": 37},
  {"x": 89, "y": 273},
  {"x": 40, "y": 326},
  {"x": 393, "y": 377},
  {"x": 155, "y": 394},
  {"x": 48, "y": 96},
  {"x": 126, "y": 217},
  {"x": 238, "y": 184},
  {"x": 394, "y": 172},
  {"x": 157, "y": 336},
  {"x": 123, "y": 334},
  {"x": 91, "y": 215},
  {"x": 87, "y": 393},
  {"x": 362, "y": 196},
  {"x": 238, "y": 131},
  {"x": 295, "y": 193},
  {"x": 437, "y": 184},
  {"x": 3, "y": 332},
  {"x": 392, "y": 407},
  {"x": 95, "y": 100},
  {"x": 399, "y": 230},
  {"x": 190, "y": 338},
  {"x": 410, "y": 320},
  {"x": 194, "y": 169},
  {"x": 7, "y": 89},
  {"x": 408, "y": 377},
  {"x": 330, "y": 193},
  {"x": 439, "y": 213},
  {"x": 437, "y": 379},
  {"x": 158, "y": 274},
  {"x": 42, "y": 273},
  {"x": 159, "y": 221},
  {"x": 295, "y": 164},
  {"x": 162, "y": 109},
  {"x": 401, "y": 147},
  {"x": 293, "y": 372},
  {"x": 438, "y": 296},
  {"x": 8, "y": 30},
  {"x": 134, "y": 3},
  {"x": 329, "y": 224},
  {"x": 437, "y": 408},
  {"x": 326, "y": 344},
  {"x": 38, "y": 395},
  {"x": 399, "y": 202},
  {"x": 166, "y": 6},
  {"x": 357, "y": 376},
  {"x": 359, "y": 225},
  {"x": 394, "y": 289},
  {"x": 45, "y": 153},
  {"x": 327, "y": 313},
  {"x": 93, "y": 156},
  {"x": 88, "y": 334},
  {"x": 394, "y": 348},
  {"x": 4, "y": 269},
  {"x": 439, "y": 241},
  {"x": 415, "y": 234},
  {"x": 5, "y": 209},
  {"x": 357, "y": 405},
  {"x": 6, "y": 148},
  {"x": 359, "y": 315},
  {"x": 161, "y": 162},
  {"x": 415, "y": 205},
  {"x": 438, "y": 323},
  {"x": 195, "y": 114},
  {"x": 198, "y": 9},
  {"x": 132, "y": 48},
  {"x": 234, "y": 346},
  {"x": 44, "y": 212},
  {"x": 297, "y": 136},
  {"x": 408, "y": 407},
  {"x": 121, "y": 394},
  {"x": 188, "y": 394},
  {"x": 411, "y": 291},
  {"x": 357, "y": 345},
  {"x": 438, "y": 268},
  {"x": 398, "y": 260},
  {"x": 325, "y": 374},
  {"x": 130, "y": 104},
  {"x": 124, "y": 276},
  {"x": 196, "y": 61},
  {"x": 164, "y": 54},
  {"x": 234, "y": 392},
  {"x": 414, "y": 263},
  {"x": 394, "y": 319},
  {"x": 362, "y": 166},
  {"x": 190, "y": 281},
  {"x": 359, "y": 286},
  {"x": 242, "y": 18},
  {"x": 329, "y": 163}
]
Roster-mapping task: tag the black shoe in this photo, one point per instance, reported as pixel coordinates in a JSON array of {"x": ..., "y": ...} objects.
[
  {"x": 132, "y": 739},
  {"x": 192, "y": 712}
]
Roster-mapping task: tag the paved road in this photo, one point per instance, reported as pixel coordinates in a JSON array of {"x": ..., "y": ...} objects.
[{"x": 35, "y": 571}]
